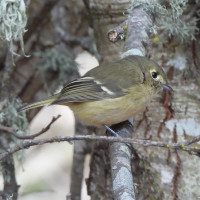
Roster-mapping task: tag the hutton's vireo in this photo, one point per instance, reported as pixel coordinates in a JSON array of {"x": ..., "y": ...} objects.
[{"x": 112, "y": 92}]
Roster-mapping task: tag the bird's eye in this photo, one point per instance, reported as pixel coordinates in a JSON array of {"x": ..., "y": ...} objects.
[{"x": 154, "y": 75}]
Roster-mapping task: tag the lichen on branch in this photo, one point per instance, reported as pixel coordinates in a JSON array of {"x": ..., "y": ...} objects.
[
  {"x": 12, "y": 22},
  {"x": 169, "y": 17}
]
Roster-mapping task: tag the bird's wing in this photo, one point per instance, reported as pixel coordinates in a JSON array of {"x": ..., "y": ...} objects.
[
  {"x": 110, "y": 80},
  {"x": 83, "y": 89},
  {"x": 119, "y": 76}
]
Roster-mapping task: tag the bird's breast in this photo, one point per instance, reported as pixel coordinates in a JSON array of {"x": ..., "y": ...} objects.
[{"x": 113, "y": 110}]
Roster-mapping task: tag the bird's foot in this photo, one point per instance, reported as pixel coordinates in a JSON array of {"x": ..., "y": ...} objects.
[{"x": 115, "y": 134}]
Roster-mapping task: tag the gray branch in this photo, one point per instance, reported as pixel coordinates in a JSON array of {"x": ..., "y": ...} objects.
[
  {"x": 11, "y": 187},
  {"x": 179, "y": 146},
  {"x": 120, "y": 154},
  {"x": 136, "y": 40}
]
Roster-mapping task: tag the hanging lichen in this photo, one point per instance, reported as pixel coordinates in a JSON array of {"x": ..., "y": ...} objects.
[{"x": 12, "y": 21}]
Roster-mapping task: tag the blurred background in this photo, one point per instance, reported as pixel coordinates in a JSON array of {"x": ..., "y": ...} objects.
[{"x": 45, "y": 171}]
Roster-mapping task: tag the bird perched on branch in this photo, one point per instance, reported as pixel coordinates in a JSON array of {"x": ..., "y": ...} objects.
[{"x": 112, "y": 92}]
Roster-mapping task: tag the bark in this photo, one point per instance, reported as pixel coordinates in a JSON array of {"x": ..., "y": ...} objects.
[
  {"x": 120, "y": 158},
  {"x": 81, "y": 148},
  {"x": 105, "y": 15},
  {"x": 99, "y": 183},
  {"x": 11, "y": 187}
]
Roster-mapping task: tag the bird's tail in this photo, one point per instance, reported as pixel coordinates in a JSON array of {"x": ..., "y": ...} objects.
[{"x": 37, "y": 104}]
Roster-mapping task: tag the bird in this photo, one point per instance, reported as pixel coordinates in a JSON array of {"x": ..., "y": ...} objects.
[{"x": 111, "y": 92}]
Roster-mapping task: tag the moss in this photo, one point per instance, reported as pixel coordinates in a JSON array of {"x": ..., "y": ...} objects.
[
  {"x": 125, "y": 28},
  {"x": 11, "y": 118},
  {"x": 155, "y": 39},
  {"x": 153, "y": 155},
  {"x": 183, "y": 146}
]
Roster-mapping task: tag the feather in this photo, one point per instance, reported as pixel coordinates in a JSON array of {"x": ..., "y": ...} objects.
[
  {"x": 37, "y": 104},
  {"x": 80, "y": 90}
]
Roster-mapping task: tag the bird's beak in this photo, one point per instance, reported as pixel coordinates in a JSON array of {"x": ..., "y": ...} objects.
[{"x": 167, "y": 87}]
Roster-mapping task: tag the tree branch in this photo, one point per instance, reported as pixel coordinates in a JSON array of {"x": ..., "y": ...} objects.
[
  {"x": 135, "y": 33},
  {"x": 179, "y": 146},
  {"x": 10, "y": 184},
  {"x": 120, "y": 158},
  {"x": 10, "y": 130},
  {"x": 118, "y": 33}
]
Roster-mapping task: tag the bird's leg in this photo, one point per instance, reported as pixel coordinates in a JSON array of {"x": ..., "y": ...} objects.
[
  {"x": 111, "y": 131},
  {"x": 114, "y": 133}
]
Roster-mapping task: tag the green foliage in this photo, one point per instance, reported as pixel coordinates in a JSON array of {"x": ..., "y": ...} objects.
[
  {"x": 12, "y": 21},
  {"x": 11, "y": 118},
  {"x": 56, "y": 65},
  {"x": 169, "y": 17}
]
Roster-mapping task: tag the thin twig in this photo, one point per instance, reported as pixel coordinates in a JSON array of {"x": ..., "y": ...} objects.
[
  {"x": 6, "y": 129},
  {"x": 178, "y": 146},
  {"x": 28, "y": 137}
]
